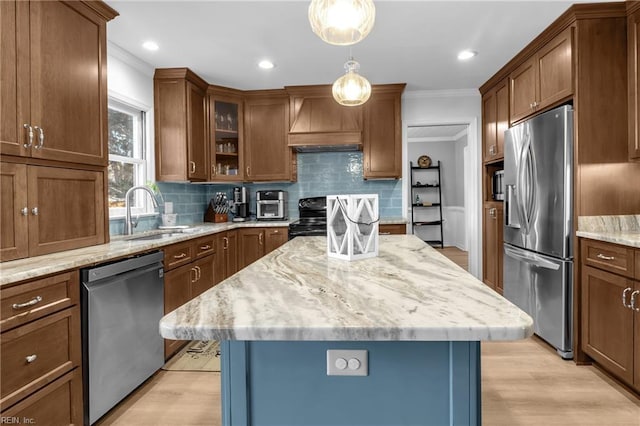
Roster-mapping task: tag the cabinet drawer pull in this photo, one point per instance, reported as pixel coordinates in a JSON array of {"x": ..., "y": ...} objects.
[
  {"x": 180, "y": 256},
  {"x": 40, "y": 131},
  {"x": 633, "y": 301},
  {"x": 207, "y": 247},
  {"x": 24, "y": 211},
  {"x": 603, "y": 257},
  {"x": 31, "y": 358},
  {"x": 29, "y": 135},
  {"x": 624, "y": 297},
  {"x": 31, "y": 302}
]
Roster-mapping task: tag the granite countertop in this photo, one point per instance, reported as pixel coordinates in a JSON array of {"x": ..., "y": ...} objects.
[
  {"x": 408, "y": 292},
  {"x": 120, "y": 246},
  {"x": 624, "y": 230}
]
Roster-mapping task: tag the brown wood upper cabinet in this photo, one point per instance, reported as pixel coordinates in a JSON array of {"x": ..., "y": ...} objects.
[
  {"x": 226, "y": 134},
  {"x": 53, "y": 101},
  {"x": 266, "y": 121},
  {"x": 180, "y": 125},
  {"x": 633, "y": 28},
  {"x": 382, "y": 143},
  {"x": 495, "y": 120},
  {"x": 49, "y": 209},
  {"x": 544, "y": 79}
]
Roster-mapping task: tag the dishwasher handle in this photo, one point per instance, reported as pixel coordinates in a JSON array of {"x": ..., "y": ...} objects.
[{"x": 120, "y": 267}]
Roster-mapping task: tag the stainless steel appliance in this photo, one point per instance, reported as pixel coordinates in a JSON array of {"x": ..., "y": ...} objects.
[
  {"x": 497, "y": 185},
  {"x": 538, "y": 224},
  {"x": 240, "y": 204},
  {"x": 313, "y": 218},
  {"x": 271, "y": 205},
  {"x": 122, "y": 304}
]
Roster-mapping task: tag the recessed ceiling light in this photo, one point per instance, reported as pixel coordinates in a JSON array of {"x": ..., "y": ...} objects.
[
  {"x": 266, "y": 64},
  {"x": 467, "y": 54},
  {"x": 150, "y": 45}
]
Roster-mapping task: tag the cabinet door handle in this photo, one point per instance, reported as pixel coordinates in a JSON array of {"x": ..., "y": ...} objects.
[
  {"x": 633, "y": 301},
  {"x": 31, "y": 358},
  {"x": 603, "y": 257},
  {"x": 192, "y": 166},
  {"x": 31, "y": 302},
  {"x": 198, "y": 273},
  {"x": 34, "y": 211},
  {"x": 226, "y": 243},
  {"x": 248, "y": 171},
  {"x": 260, "y": 238},
  {"x": 180, "y": 256},
  {"x": 29, "y": 135},
  {"x": 624, "y": 297},
  {"x": 24, "y": 211},
  {"x": 40, "y": 131},
  {"x": 492, "y": 150},
  {"x": 206, "y": 247},
  {"x": 193, "y": 277},
  {"x": 213, "y": 170},
  {"x": 492, "y": 212}
]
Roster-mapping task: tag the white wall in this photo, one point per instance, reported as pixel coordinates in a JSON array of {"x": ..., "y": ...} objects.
[{"x": 422, "y": 108}]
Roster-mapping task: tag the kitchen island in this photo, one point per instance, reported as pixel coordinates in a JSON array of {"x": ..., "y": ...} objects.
[{"x": 418, "y": 317}]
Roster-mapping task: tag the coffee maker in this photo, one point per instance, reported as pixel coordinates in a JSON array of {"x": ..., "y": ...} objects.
[{"x": 240, "y": 204}]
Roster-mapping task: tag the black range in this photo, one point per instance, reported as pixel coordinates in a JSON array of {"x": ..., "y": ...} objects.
[{"x": 313, "y": 218}]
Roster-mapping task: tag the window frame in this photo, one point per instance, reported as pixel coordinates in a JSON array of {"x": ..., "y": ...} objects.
[{"x": 144, "y": 148}]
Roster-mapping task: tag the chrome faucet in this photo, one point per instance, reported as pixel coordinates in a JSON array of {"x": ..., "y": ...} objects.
[{"x": 128, "y": 223}]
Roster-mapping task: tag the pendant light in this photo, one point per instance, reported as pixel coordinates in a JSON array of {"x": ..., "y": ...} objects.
[
  {"x": 351, "y": 89},
  {"x": 342, "y": 22}
]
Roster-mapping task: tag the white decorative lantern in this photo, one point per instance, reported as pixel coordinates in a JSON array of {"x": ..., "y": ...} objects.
[{"x": 352, "y": 226}]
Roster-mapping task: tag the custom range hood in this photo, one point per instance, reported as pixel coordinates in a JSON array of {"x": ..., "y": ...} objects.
[{"x": 320, "y": 124}]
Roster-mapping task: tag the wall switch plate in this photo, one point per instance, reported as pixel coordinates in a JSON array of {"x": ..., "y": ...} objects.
[{"x": 341, "y": 362}]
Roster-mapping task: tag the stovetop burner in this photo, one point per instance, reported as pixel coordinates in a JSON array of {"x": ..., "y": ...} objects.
[{"x": 313, "y": 218}]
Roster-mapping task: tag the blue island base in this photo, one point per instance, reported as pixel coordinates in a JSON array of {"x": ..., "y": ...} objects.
[{"x": 284, "y": 383}]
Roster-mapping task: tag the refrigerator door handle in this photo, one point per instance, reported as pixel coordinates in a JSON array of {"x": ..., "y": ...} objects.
[
  {"x": 532, "y": 259},
  {"x": 510, "y": 212}
]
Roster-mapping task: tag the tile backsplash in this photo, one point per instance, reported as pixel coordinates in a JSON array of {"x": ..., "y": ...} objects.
[{"x": 323, "y": 173}]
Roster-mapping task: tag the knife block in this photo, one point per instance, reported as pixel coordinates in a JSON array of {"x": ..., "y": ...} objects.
[{"x": 211, "y": 216}]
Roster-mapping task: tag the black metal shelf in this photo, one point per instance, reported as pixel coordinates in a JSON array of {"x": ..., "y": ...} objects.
[
  {"x": 428, "y": 223},
  {"x": 429, "y": 205},
  {"x": 417, "y": 205}
]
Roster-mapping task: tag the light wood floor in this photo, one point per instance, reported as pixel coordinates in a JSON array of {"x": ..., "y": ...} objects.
[
  {"x": 458, "y": 256},
  {"x": 524, "y": 383}
]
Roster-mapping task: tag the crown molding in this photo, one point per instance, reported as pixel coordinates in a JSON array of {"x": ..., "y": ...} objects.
[{"x": 127, "y": 57}]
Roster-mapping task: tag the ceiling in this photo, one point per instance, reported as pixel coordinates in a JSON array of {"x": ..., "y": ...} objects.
[
  {"x": 413, "y": 42},
  {"x": 436, "y": 133}
]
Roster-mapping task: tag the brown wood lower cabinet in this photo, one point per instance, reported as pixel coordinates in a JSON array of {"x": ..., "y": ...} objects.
[
  {"x": 177, "y": 292},
  {"x": 607, "y": 325},
  {"x": 610, "y": 296},
  {"x": 274, "y": 238},
  {"x": 40, "y": 351},
  {"x": 253, "y": 243},
  {"x": 393, "y": 229},
  {"x": 492, "y": 258},
  {"x": 226, "y": 259}
]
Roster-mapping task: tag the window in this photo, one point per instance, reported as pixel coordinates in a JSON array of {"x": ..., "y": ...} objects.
[{"x": 128, "y": 153}]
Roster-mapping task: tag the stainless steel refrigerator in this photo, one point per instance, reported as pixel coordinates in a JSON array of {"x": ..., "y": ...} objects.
[{"x": 538, "y": 223}]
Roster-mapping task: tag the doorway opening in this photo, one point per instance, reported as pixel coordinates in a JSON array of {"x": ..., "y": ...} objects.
[{"x": 448, "y": 146}]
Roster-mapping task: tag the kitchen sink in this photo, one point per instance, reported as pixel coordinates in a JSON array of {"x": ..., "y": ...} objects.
[{"x": 153, "y": 236}]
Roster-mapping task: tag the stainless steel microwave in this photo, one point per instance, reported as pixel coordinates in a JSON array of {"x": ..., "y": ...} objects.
[{"x": 271, "y": 205}]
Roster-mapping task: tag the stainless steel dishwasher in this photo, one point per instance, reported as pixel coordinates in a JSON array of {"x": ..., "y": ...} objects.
[{"x": 122, "y": 304}]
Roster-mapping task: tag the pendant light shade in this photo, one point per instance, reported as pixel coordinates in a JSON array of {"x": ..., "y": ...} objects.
[
  {"x": 351, "y": 89},
  {"x": 342, "y": 22}
]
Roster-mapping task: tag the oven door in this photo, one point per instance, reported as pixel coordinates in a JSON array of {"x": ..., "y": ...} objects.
[{"x": 270, "y": 210}]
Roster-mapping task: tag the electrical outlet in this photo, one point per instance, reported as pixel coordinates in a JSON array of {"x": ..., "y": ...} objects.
[{"x": 341, "y": 362}]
